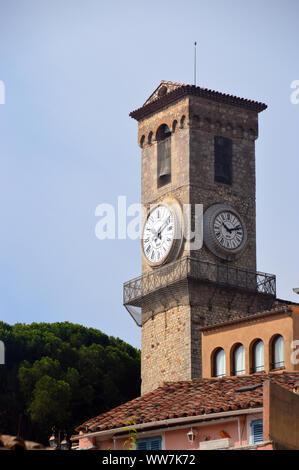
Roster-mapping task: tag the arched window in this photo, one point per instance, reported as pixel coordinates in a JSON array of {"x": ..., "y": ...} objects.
[
  {"x": 278, "y": 352},
  {"x": 258, "y": 356},
  {"x": 149, "y": 139},
  {"x": 163, "y": 137},
  {"x": 182, "y": 121},
  {"x": 219, "y": 363},
  {"x": 239, "y": 360},
  {"x": 142, "y": 141}
]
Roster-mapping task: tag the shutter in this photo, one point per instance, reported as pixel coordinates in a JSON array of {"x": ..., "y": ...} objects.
[
  {"x": 141, "y": 444},
  {"x": 164, "y": 159},
  {"x": 150, "y": 443},
  {"x": 257, "y": 430},
  {"x": 223, "y": 160},
  {"x": 156, "y": 443}
]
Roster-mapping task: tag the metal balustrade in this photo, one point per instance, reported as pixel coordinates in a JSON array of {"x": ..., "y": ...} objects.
[{"x": 191, "y": 268}]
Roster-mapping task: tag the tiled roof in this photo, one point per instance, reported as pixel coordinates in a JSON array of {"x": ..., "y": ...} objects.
[
  {"x": 189, "y": 398},
  {"x": 182, "y": 90}
]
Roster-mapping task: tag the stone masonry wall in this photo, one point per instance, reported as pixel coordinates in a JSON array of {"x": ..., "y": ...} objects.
[{"x": 166, "y": 346}]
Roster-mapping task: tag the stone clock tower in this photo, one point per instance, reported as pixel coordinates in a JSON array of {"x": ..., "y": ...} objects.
[{"x": 198, "y": 147}]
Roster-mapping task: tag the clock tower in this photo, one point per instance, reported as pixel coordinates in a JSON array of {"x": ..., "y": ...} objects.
[{"x": 197, "y": 147}]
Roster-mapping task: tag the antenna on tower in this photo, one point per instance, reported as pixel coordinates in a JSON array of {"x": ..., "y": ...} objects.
[{"x": 195, "y": 44}]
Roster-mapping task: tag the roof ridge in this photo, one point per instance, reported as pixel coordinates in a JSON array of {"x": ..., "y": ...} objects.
[{"x": 184, "y": 89}]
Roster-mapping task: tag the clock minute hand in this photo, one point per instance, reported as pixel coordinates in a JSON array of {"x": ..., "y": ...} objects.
[
  {"x": 236, "y": 228},
  {"x": 163, "y": 226}
]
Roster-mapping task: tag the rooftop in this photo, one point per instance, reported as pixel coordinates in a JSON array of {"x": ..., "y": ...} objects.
[
  {"x": 190, "y": 398},
  {"x": 169, "y": 92}
]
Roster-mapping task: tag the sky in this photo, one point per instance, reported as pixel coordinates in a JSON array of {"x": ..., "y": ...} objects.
[{"x": 73, "y": 70}]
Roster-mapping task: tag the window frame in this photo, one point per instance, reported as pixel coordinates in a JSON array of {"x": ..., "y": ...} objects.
[
  {"x": 215, "y": 355},
  {"x": 254, "y": 425},
  {"x": 148, "y": 441},
  {"x": 275, "y": 364}
]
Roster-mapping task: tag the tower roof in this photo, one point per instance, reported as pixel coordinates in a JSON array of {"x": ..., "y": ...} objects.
[{"x": 169, "y": 92}]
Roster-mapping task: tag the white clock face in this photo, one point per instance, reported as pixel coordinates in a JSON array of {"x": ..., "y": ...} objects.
[
  {"x": 158, "y": 234},
  {"x": 228, "y": 230}
]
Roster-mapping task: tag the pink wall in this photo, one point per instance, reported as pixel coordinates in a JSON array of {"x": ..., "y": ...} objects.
[{"x": 177, "y": 440}]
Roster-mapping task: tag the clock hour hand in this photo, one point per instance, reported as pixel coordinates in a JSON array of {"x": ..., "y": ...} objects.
[
  {"x": 236, "y": 228},
  {"x": 228, "y": 229}
]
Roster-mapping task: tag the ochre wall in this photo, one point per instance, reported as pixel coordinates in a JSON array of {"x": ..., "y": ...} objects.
[{"x": 246, "y": 332}]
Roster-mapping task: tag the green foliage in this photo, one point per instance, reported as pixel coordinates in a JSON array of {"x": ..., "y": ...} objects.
[
  {"x": 62, "y": 374},
  {"x": 131, "y": 442}
]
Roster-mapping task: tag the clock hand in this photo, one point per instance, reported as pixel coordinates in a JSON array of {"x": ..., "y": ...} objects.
[
  {"x": 228, "y": 229},
  {"x": 162, "y": 227},
  {"x": 236, "y": 228}
]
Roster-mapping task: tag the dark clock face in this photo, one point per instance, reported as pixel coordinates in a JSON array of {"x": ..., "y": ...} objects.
[
  {"x": 228, "y": 230},
  {"x": 224, "y": 231}
]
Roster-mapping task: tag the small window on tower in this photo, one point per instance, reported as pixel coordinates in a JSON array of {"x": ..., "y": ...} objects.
[
  {"x": 223, "y": 160},
  {"x": 163, "y": 138}
]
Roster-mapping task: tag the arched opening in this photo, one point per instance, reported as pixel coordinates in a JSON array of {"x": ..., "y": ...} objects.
[
  {"x": 218, "y": 363},
  {"x": 149, "y": 139},
  {"x": 142, "y": 141},
  {"x": 258, "y": 356},
  {"x": 238, "y": 359},
  {"x": 182, "y": 122},
  {"x": 277, "y": 352},
  {"x": 174, "y": 125},
  {"x": 163, "y": 137}
]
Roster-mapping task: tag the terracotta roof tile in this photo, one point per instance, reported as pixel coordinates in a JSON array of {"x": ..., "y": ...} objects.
[
  {"x": 190, "y": 398},
  {"x": 180, "y": 90}
]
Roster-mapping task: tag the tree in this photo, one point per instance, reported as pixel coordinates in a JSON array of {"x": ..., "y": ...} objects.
[{"x": 62, "y": 374}]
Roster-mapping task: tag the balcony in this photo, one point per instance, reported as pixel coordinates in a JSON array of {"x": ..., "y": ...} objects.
[{"x": 136, "y": 290}]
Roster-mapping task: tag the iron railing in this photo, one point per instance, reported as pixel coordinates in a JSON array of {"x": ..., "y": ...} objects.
[{"x": 191, "y": 268}]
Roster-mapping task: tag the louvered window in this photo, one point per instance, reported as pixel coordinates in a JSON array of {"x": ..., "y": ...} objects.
[
  {"x": 223, "y": 160},
  {"x": 150, "y": 443},
  {"x": 256, "y": 431},
  {"x": 163, "y": 137}
]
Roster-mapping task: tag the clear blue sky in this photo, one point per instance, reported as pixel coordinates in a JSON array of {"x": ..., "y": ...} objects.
[{"x": 73, "y": 71}]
